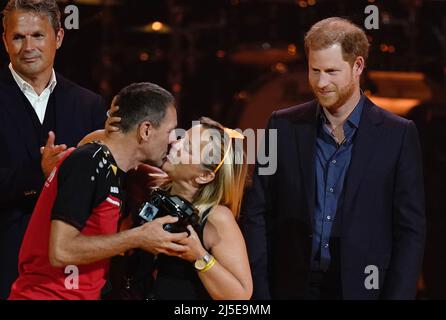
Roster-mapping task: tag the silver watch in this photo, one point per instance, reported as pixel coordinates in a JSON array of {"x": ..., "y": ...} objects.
[{"x": 201, "y": 263}]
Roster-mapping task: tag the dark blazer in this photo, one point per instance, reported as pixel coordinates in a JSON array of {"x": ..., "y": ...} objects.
[
  {"x": 383, "y": 215},
  {"x": 78, "y": 111}
]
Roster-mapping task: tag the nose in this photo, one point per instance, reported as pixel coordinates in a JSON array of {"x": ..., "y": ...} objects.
[
  {"x": 322, "y": 80},
  {"x": 175, "y": 145},
  {"x": 28, "y": 44},
  {"x": 172, "y": 138}
]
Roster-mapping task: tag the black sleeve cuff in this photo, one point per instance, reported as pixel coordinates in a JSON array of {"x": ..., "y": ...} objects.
[{"x": 71, "y": 222}]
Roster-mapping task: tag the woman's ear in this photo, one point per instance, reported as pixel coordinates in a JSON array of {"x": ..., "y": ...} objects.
[{"x": 205, "y": 177}]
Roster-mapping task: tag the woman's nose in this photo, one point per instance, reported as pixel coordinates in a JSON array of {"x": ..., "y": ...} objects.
[{"x": 175, "y": 145}]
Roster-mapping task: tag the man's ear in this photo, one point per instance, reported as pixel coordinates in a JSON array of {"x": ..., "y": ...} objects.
[
  {"x": 359, "y": 66},
  {"x": 59, "y": 38},
  {"x": 205, "y": 177},
  {"x": 145, "y": 130},
  {"x": 4, "y": 42}
]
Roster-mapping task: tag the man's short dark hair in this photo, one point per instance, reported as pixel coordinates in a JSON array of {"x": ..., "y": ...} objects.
[
  {"x": 47, "y": 8},
  {"x": 140, "y": 102}
]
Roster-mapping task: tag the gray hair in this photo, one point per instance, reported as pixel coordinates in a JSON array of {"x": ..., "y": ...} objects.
[
  {"x": 40, "y": 7},
  {"x": 142, "y": 101}
]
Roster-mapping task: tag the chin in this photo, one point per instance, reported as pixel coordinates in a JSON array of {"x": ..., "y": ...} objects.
[
  {"x": 166, "y": 166},
  {"x": 328, "y": 104},
  {"x": 151, "y": 163},
  {"x": 30, "y": 70}
]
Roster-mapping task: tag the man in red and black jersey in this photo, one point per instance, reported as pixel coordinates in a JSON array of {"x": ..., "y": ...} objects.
[{"x": 73, "y": 229}]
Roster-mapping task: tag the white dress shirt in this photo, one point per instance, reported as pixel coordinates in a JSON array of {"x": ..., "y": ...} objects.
[{"x": 39, "y": 103}]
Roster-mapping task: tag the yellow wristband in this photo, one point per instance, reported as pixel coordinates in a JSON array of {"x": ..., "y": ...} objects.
[{"x": 209, "y": 265}]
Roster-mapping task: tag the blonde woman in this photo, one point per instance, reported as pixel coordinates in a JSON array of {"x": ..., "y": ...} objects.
[{"x": 216, "y": 265}]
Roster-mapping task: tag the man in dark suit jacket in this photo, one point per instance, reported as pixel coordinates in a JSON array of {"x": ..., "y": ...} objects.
[
  {"x": 343, "y": 215},
  {"x": 34, "y": 100}
]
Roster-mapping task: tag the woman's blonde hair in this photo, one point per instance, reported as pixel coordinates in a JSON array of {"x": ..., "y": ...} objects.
[{"x": 228, "y": 185}]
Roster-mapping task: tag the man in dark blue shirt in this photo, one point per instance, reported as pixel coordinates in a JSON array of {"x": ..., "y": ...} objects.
[
  {"x": 333, "y": 155},
  {"x": 343, "y": 215}
]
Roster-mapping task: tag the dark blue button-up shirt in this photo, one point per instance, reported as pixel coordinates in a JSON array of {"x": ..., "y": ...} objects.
[{"x": 332, "y": 162}]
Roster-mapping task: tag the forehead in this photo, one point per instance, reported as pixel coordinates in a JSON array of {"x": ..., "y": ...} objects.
[
  {"x": 192, "y": 132},
  {"x": 170, "y": 118},
  {"x": 326, "y": 58},
  {"x": 201, "y": 134},
  {"x": 20, "y": 20}
]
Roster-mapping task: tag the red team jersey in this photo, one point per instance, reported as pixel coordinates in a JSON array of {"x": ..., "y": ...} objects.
[{"x": 83, "y": 191}]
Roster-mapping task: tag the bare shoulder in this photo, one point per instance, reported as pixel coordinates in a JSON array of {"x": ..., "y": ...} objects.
[
  {"x": 221, "y": 215},
  {"x": 221, "y": 224}
]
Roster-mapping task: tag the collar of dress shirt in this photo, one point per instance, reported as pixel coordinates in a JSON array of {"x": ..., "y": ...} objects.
[{"x": 23, "y": 85}]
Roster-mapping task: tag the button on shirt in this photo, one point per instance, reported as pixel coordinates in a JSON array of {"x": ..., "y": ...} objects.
[
  {"x": 332, "y": 162},
  {"x": 39, "y": 103}
]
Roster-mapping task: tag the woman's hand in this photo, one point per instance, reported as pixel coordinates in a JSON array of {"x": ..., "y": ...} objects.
[
  {"x": 110, "y": 124},
  {"x": 195, "y": 248}
]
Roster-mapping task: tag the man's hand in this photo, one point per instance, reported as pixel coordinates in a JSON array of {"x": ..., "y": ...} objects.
[
  {"x": 155, "y": 239},
  {"x": 110, "y": 124},
  {"x": 194, "y": 245},
  {"x": 51, "y": 154}
]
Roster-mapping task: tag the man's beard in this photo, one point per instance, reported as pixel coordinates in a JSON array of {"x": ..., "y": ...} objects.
[{"x": 338, "y": 98}]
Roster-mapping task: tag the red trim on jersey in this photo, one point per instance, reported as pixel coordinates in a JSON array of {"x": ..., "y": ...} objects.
[{"x": 38, "y": 279}]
